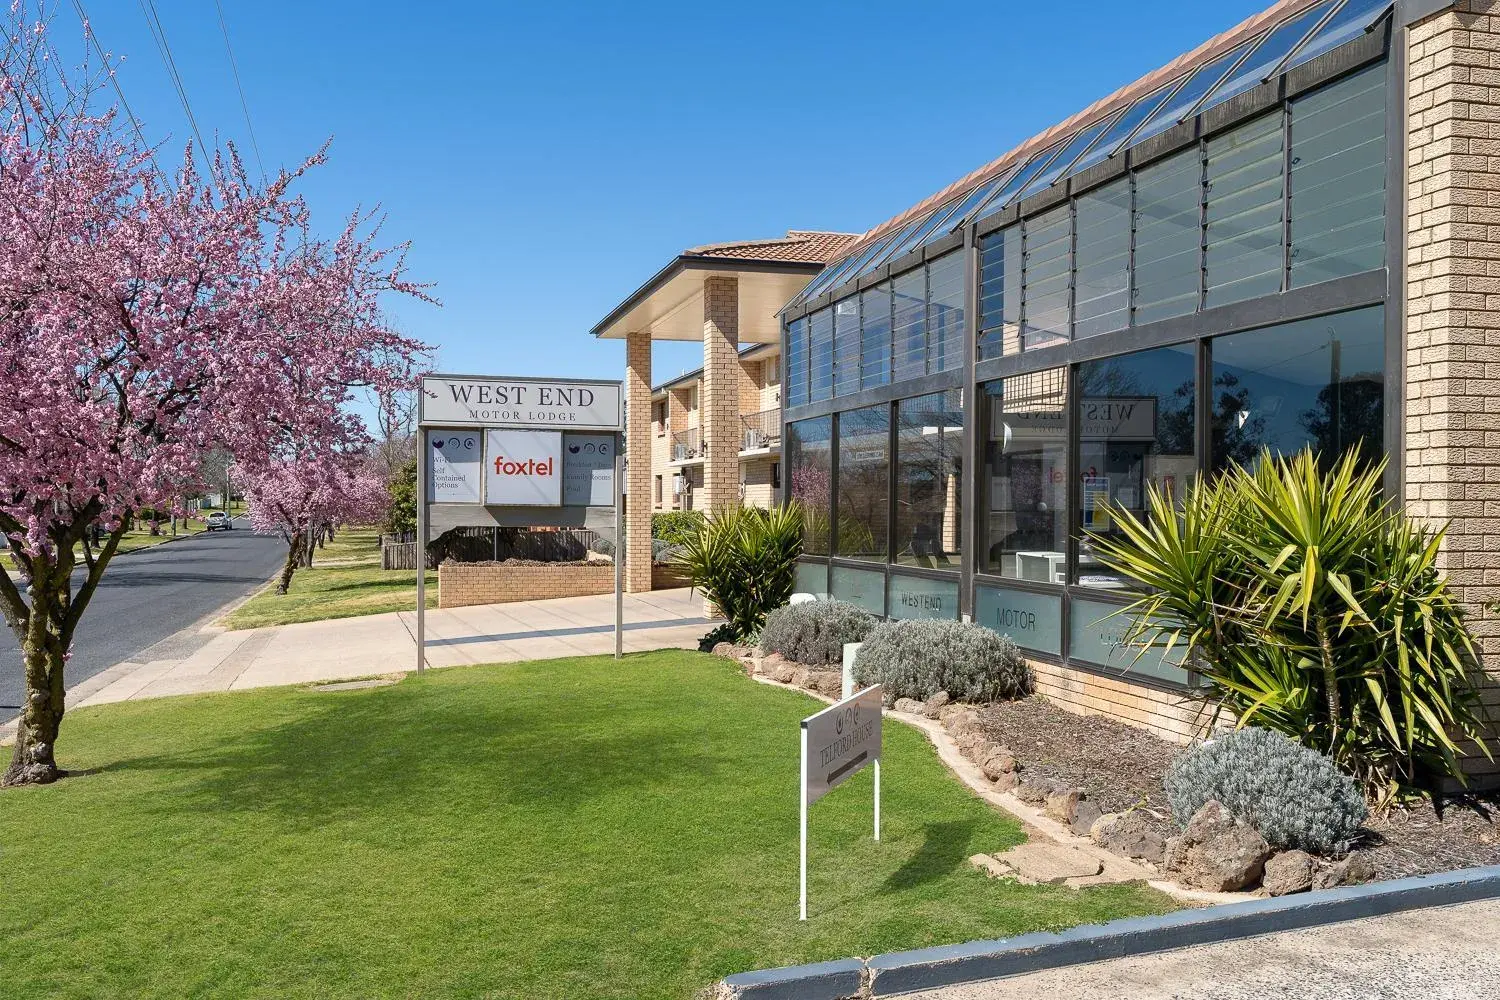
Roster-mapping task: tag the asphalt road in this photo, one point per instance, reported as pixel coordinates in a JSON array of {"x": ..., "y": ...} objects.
[{"x": 146, "y": 597}]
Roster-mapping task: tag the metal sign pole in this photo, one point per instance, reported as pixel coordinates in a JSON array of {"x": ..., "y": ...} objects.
[
  {"x": 619, "y": 548},
  {"x": 425, "y": 458},
  {"x": 802, "y": 834},
  {"x": 877, "y": 799}
]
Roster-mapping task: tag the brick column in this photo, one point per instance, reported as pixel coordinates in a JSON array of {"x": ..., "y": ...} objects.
[
  {"x": 637, "y": 547},
  {"x": 1452, "y": 400},
  {"x": 719, "y": 399}
]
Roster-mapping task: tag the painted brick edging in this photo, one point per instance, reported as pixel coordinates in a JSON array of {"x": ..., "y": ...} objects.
[{"x": 930, "y": 968}]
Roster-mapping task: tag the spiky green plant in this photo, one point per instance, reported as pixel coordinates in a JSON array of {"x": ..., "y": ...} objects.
[
  {"x": 1314, "y": 608},
  {"x": 744, "y": 560}
]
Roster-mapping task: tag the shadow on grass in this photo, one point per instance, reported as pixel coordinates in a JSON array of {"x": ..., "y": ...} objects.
[
  {"x": 408, "y": 749},
  {"x": 944, "y": 847}
]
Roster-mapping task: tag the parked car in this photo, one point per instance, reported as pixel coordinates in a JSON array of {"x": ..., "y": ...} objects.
[{"x": 220, "y": 520}]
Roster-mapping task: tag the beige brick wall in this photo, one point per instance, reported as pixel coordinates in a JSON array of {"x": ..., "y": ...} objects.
[
  {"x": 661, "y": 454},
  {"x": 721, "y": 409},
  {"x": 756, "y": 474},
  {"x": 463, "y": 584},
  {"x": 1178, "y": 718},
  {"x": 639, "y": 440},
  {"x": 1452, "y": 404}
]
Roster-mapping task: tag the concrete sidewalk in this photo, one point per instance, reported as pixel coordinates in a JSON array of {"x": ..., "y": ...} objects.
[{"x": 384, "y": 644}]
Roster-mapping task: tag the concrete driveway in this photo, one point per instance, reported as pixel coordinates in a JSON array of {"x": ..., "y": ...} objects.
[{"x": 1447, "y": 953}]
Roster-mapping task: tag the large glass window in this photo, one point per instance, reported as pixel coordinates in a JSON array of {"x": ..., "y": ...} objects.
[
  {"x": 1048, "y": 279},
  {"x": 1032, "y": 620},
  {"x": 1135, "y": 430},
  {"x": 820, "y": 340},
  {"x": 909, "y": 335},
  {"x": 796, "y": 362},
  {"x": 1338, "y": 179},
  {"x": 863, "y": 588},
  {"x": 1000, "y": 294},
  {"x": 864, "y": 482},
  {"x": 1024, "y": 530},
  {"x": 846, "y": 346},
  {"x": 945, "y": 318},
  {"x": 875, "y": 336},
  {"x": 1245, "y": 255},
  {"x": 929, "y": 440},
  {"x": 1102, "y": 298},
  {"x": 1178, "y": 106},
  {"x": 1263, "y": 61},
  {"x": 1168, "y": 237},
  {"x": 1317, "y": 382},
  {"x": 812, "y": 578},
  {"x": 809, "y": 463},
  {"x": 921, "y": 597}
]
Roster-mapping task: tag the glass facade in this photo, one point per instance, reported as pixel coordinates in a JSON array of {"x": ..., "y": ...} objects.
[
  {"x": 1216, "y": 293},
  {"x": 809, "y": 460}
]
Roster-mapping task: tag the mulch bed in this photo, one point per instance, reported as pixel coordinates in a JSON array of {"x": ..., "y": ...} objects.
[{"x": 1119, "y": 766}]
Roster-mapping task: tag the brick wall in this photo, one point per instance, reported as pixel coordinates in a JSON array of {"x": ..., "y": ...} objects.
[
  {"x": 639, "y": 439},
  {"x": 463, "y": 584},
  {"x": 1178, "y": 718},
  {"x": 719, "y": 399},
  {"x": 757, "y": 478},
  {"x": 661, "y": 454},
  {"x": 1452, "y": 402}
]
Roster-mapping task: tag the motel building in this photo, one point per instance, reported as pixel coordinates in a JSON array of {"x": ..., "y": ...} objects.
[
  {"x": 711, "y": 438},
  {"x": 1287, "y": 236}
]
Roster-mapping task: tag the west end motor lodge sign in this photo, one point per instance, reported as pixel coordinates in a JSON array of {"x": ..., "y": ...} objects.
[{"x": 488, "y": 441}]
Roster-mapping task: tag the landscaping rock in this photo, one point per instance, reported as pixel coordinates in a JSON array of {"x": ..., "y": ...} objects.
[
  {"x": 965, "y": 720},
  {"x": 997, "y": 763},
  {"x": 771, "y": 661},
  {"x": 909, "y": 705},
  {"x": 1044, "y": 863},
  {"x": 1217, "y": 851},
  {"x": 970, "y": 742},
  {"x": 1289, "y": 872},
  {"x": 949, "y": 710},
  {"x": 826, "y": 682},
  {"x": 1356, "y": 869},
  {"x": 935, "y": 704},
  {"x": 1128, "y": 834},
  {"x": 1084, "y": 817},
  {"x": 726, "y": 649},
  {"x": 1006, "y": 781},
  {"x": 1034, "y": 791},
  {"x": 1061, "y": 805}
]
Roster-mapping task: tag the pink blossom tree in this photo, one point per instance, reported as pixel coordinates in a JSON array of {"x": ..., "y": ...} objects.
[
  {"x": 141, "y": 324},
  {"x": 300, "y": 499}
]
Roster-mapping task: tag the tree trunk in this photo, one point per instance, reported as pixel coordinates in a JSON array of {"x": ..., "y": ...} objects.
[
  {"x": 293, "y": 557},
  {"x": 32, "y": 761}
]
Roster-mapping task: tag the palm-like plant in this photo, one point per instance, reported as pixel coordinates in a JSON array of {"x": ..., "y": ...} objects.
[
  {"x": 744, "y": 560},
  {"x": 1312, "y": 608}
]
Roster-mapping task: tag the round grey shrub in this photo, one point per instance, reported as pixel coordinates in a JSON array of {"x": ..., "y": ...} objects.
[
  {"x": 814, "y": 632},
  {"x": 1294, "y": 796},
  {"x": 919, "y": 658}
]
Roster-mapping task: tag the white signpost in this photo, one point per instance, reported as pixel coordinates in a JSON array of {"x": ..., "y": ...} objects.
[
  {"x": 838, "y": 743},
  {"x": 515, "y": 452}
]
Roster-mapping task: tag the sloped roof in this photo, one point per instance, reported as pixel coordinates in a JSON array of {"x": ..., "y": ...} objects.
[{"x": 797, "y": 246}]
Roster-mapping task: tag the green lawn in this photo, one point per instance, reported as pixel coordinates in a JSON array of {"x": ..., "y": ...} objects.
[
  {"x": 558, "y": 829},
  {"x": 345, "y": 581}
]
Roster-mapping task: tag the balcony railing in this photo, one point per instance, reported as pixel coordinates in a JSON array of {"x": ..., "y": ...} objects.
[
  {"x": 762, "y": 430},
  {"x": 687, "y": 444}
]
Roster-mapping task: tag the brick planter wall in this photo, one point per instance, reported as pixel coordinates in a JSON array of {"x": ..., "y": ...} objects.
[
  {"x": 461, "y": 584},
  {"x": 1177, "y": 718}
]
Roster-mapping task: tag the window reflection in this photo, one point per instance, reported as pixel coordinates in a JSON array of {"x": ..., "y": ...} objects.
[
  {"x": 1136, "y": 430},
  {"x": 1317, "y": 383},
  {"x": 809, "y": 461},
  {"x": 1024, "y": 531},
  {"x": 864, "y": 486},
  {"x": 929, "y": 440}
]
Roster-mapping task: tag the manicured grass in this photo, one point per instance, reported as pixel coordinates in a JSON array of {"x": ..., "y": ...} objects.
[
  {"x": 345, "y": 581},
  {"x": 557, "y": 829}
]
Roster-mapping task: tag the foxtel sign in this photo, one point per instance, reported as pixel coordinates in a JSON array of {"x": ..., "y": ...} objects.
[
  {"x": 460, "y": 400},
  {"x": 522, "y": 468}
]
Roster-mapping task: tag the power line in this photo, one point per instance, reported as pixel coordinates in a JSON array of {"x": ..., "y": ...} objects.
[
  {"x": 244, "y": 104},
  {"x": 159, "y": 35},
  {"x": 135, "y": 122}
]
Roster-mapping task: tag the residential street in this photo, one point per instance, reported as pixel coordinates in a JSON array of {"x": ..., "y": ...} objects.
[{"x": 148, "y": 596}]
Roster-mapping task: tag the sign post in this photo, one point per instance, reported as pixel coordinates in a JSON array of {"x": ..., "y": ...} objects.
[
  {"x": 837, "y": 743},
  {"x": 518, "y": 452}
]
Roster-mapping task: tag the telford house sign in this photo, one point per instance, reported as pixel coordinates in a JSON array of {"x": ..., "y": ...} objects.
[
  {"x": 837, "y": 743},
  {"x": 518, "y": 452}
]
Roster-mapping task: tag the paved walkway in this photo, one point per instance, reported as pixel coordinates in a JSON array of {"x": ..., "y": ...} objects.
[
  {"x": 1448, "y": 953},
  {"x": 383, "y": 644}
]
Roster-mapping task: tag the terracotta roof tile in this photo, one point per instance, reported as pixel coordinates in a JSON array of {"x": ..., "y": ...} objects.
[
  {"x": 797, "y": 246},
  {"x": 1203, "y": 54}
]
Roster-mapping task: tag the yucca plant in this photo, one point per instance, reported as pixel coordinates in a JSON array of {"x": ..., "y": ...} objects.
[
  {"x": 1314, "y": 608},
  {"x": 744, "y": 560}
]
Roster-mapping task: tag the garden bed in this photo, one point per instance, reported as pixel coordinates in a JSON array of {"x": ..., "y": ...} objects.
[{"x": 1120, "y": 767}]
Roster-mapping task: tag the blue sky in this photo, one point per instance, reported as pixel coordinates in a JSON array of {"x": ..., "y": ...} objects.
[{"x": 545, "y": 159}]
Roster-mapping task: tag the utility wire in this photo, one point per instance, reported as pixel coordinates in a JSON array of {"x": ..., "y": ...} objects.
[
  {"x": 159, "y": 34},
  {"x": 135, "y": 122},
  {"x": 244, "y": 104}
]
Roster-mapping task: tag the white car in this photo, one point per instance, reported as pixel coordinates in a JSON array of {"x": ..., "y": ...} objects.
[{"x": 219, "y": 520}]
